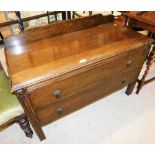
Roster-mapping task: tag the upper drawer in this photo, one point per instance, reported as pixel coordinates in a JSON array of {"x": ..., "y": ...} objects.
[{"x": 58, "y": 91}]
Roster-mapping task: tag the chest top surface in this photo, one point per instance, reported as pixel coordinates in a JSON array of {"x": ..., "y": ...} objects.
[{"x": 31, "y": 61}]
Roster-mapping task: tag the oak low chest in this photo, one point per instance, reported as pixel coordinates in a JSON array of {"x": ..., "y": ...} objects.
[{"x": 57, "y": 69}]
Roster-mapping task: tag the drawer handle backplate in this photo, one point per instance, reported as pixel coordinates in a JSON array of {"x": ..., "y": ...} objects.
[
  {"x": 129, "y": 64},
  {"x": 60, "y": 111},
  {"x": 57, "y": 93}
]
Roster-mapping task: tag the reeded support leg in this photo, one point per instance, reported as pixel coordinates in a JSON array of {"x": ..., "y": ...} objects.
[
  {"x": 149, "y": 63},
  {"x": 130, "y": 88},
  {"x": 25, "y": 102},
  {"x": 25, "y": 126}
]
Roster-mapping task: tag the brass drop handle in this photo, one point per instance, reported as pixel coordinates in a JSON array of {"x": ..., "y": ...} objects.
[
  {"x": 57, "y": 93},
  {"x": 60, "y": 111},
  {"x": 129, "y": 64}
]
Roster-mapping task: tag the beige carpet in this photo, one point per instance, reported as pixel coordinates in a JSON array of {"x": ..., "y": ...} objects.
[{"x": 115, "y": 119}]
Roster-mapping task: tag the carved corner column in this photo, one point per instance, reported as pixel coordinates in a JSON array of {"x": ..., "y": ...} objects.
[{"x": 25, "y": 102}]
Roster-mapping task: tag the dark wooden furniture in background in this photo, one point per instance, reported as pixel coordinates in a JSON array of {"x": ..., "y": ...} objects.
[
  {"x": 145, "y": 20},
  {"x": 33, "y": 17},
  {"x": 20, "y": 22},
  {"x": 65, "y": 15},
  {"x": 62, "y": 67},
  {"x": 23, "y": 123},
  {"x": 69, "y": 15},
  {"x": 1, "y": 39},
  {"x": 10, "y": 109},
  {"x": 48, "y": 16}
]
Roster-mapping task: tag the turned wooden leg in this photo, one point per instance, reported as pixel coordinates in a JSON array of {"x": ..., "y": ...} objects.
[
  {"x": 130, "y": 88},
  {"x": 149, "y": 63},
  {"x": 21, "y": 25},
  {"x": 2, "y": 38},
  {"x": 25, "y": 126},
  {"x": 125, "y": 20}
]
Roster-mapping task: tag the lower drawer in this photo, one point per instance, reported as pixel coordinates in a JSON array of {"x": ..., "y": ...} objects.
[{"x": 93, "y": 93}]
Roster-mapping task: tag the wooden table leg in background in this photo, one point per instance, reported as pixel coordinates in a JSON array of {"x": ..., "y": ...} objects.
[
  {"x": 130, "y": 88},
  {"x": 1, "y": 40},
  {"x": 63, "y": 15},
  {"x": 150, "y": 62},
  {"x": 69, "y": 15}
]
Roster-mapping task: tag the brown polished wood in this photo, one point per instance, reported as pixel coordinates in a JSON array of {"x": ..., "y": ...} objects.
[
  {"x": 145, "y": 20},
  {"x": 60, "y": 68},
  {"x": 55, "y": 29}
]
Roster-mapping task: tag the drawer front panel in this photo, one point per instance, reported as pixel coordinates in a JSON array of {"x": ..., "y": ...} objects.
[
  {"x": 61, "y": 90},
  {"x": 103, "y": 88}
]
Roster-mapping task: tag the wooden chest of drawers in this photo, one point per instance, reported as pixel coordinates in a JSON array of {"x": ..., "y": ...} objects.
[{"x": 57, "y": 69}]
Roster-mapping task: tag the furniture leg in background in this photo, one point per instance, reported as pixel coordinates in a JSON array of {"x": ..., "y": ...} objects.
[
  {"x": 90, "y": 13},
  {"x": 132, "y": 84},
  {"x": 150, "y": 61},
  {"x": 23, "y": 123},
  {"x": 64, "y": 15},
  {"x": 25, "y": 126},
  {"x": 130, "y": 88},
  {"x": 21, "y": 25},
  {"x": 69, "y": 15},
  {"x": 2, "y": 38},
  {"x": 142, "y": 20},
  {"x": 55, "y": 16}
]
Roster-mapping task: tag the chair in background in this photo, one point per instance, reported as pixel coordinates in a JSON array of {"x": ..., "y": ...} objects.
[
  {"x": 10, "y": 109},
  {"x": 48, "y": 16}
]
